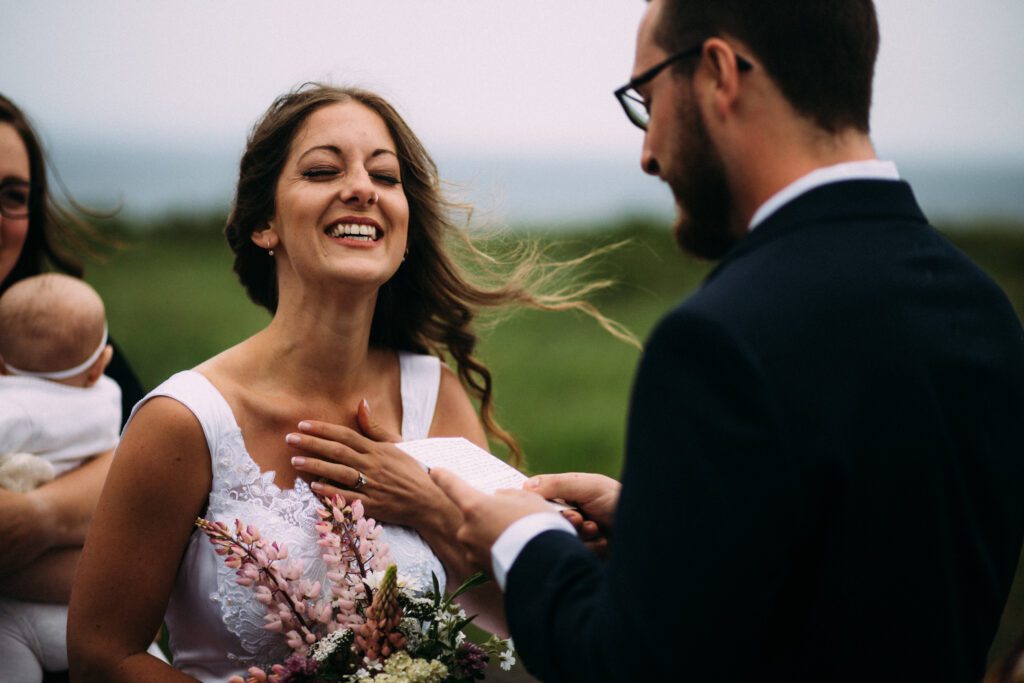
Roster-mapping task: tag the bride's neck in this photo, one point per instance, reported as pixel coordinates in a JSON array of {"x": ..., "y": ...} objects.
[{"x": 316, "y": 349}]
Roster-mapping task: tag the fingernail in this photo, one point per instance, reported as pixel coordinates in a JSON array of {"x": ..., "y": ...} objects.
[
  {"x": 305, "y": 426},
  {"x": 317, "y": 486},
  {"x": 293, "y": 439},
  {"x": 531, "y": 483},
  {"x": 298, "y": 461},
  {"x": 366, "y": 405}
]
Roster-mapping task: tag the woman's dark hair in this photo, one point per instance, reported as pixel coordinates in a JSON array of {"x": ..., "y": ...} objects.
[
  {"x": 429, "y": 304},
  {"x": 821, "y": 53},
  {"x": 55, "y": 234}
]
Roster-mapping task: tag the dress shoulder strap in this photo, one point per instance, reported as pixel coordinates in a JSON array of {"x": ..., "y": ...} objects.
[
  {"x": 196, "y": 393},
  {"x": 421, "y": 380}
]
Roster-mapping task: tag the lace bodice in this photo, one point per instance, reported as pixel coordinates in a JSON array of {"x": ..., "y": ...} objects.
[{"x": 216, "y": 626}]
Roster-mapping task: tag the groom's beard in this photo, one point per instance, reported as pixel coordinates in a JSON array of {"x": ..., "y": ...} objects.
[{"x": 703, "y": 198}]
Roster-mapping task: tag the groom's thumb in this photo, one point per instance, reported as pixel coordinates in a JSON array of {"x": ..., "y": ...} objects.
[{"x": 576, "y": 487}]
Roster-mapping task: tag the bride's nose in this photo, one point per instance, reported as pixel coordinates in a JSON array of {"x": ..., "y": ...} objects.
[{"x": 358, "y": 191}]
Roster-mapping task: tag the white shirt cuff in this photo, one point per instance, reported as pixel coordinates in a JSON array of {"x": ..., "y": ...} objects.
[{"x": 512, "y": 541}]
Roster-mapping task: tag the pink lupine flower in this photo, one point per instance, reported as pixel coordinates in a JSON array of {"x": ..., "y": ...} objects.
[{"x": 263, "y": 595}]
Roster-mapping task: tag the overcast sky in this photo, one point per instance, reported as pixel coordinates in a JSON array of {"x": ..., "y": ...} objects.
[
  {"x": 519, "y": 78},
  {"x": 148, "y": 103}
]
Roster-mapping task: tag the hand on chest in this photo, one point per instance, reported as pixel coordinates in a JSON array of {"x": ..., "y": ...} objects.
[{"x": 265, "y": 420}]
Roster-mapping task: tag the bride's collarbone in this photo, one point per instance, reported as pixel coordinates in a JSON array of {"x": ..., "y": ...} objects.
[{"x": 265, "y": 421}]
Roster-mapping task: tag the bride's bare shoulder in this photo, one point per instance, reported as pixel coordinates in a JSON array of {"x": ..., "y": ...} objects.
[{"x": 455, "y": 414}]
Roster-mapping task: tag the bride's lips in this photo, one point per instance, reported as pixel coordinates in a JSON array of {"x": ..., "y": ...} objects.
[{"x": 355, "y": 231}]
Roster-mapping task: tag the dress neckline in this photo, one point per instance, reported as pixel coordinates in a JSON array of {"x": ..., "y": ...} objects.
[
  {"x": 237, "y": 432},
  {"x": 300, "y": 484}
]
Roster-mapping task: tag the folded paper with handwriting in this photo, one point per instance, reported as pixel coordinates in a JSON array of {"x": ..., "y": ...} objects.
[{"x": 474, "y": 465}]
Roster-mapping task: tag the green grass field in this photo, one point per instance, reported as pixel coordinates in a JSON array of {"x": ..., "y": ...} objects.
[{"x": 561, "y": 382}]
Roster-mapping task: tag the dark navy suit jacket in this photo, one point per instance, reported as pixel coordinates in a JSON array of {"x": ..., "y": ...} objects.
[{"x": 824, "y": 470}]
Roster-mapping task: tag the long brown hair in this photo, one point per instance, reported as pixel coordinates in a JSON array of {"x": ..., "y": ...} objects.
[
  {"x": 55, "y": 232},
  {"x": 429, "y": 305}
]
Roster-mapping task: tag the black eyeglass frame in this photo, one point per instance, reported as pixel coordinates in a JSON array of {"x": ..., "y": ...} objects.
[
  {"x": 623, "y": 93},
  {"x": 4, "y": 186}
]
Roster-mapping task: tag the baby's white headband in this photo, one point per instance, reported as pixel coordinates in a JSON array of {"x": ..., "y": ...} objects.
[{"x": 64, "y": 374}]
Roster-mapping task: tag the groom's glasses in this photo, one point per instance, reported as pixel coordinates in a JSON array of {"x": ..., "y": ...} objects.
[
  {"x": 633, "y": 102},
  {"x": 14, "y": 196}
]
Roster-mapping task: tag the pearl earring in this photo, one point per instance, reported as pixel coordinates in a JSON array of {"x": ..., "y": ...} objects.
[{"x": 270, "y": 251}]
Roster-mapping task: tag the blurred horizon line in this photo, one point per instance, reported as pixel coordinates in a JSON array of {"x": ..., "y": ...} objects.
[{"x": 517, "y": 190}]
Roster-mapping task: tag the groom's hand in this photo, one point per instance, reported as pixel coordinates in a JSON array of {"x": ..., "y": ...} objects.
[
  {"x": 485, "y": 517},
  {"x": 594, "y": 494}
]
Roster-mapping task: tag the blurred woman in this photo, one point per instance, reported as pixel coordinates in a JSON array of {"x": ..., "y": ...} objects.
[
  {"x": 42, "y": 531},
  {"x": 340, "y": 230}
]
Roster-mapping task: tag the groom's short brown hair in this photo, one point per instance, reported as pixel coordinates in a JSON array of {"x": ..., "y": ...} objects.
[{"x": 821, "y": 53}]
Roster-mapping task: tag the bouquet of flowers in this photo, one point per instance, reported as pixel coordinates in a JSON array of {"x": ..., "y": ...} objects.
[{"x": 369, "y": 624}]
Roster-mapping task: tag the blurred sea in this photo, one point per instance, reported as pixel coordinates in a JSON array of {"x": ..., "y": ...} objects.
[{"x": 566, "y": 192}]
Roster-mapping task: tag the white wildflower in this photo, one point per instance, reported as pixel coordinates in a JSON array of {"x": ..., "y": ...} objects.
[
  {"x": 326, "y": 646},
  {"x": 507, "y": 660}
]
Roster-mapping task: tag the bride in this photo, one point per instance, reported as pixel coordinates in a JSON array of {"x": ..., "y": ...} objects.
[{"x": 338, "y": 229}]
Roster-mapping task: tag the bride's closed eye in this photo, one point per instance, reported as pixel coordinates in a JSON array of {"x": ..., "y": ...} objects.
[
  {"x": 320, "y": 172},
  {"x": 386, "y": 178}
]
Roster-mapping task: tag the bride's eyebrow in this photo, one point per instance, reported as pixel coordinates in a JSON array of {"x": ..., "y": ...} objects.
[
  {"x": 337, "y": 151},
  {"x": 326, "y": 148}
]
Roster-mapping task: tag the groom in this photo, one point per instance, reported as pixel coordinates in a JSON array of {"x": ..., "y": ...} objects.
[{"x": 824, "y": 469}]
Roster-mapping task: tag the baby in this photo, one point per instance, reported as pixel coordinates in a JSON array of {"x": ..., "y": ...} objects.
[{"x": 57, "y": 410}]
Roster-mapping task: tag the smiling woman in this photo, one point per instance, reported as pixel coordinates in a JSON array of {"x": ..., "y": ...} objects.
[
  {"x": 340, "y": 230},
  {"x": 342, "y": 176}
]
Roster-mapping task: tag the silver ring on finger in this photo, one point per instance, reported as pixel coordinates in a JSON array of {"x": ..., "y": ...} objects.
[{"x": 360, "y": 481}]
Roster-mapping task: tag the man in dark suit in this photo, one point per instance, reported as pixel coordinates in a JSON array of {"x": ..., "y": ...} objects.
[{"x": 824, "y": 469}]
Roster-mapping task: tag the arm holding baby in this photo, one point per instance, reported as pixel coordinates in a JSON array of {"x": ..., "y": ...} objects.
[{"x": 60, "y": 418}]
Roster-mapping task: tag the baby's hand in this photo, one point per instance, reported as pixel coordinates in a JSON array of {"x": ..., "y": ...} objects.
[{"x": 23, "y": 472}]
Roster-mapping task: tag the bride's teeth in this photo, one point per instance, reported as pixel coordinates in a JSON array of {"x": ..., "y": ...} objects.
[{"x": 355, "y": 231}]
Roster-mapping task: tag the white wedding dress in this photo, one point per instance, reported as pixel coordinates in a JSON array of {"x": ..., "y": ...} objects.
[{"x": 216, "y": 626}]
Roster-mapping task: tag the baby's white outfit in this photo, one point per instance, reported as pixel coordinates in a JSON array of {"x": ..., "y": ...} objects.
[
  {"x": 215, "y": 625},
  {"x": 63, "y": 425}
]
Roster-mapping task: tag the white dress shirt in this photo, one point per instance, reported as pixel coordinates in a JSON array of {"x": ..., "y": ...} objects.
[{"x": 511, "y": 542}]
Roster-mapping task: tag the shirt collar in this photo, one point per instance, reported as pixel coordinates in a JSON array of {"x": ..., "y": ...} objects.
[{"x": 870, "y": 169}]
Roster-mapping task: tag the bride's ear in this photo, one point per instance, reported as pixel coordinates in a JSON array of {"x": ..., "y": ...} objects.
[{"x": 266, "y": 238}]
